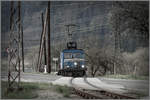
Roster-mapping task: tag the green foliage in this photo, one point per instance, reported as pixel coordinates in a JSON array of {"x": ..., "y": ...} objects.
[
  {"x": 28, "y": 91},
  {"x": 63, "y": 89},
  {"x": 43, "y": 86},
  {"x": 27, "y": 86},
  {"x": 25, "y": 94}
]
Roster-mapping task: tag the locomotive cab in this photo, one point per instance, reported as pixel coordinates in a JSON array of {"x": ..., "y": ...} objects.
[
  {"x": 72, "y": 63},
  {"x": 72, "y": 59}
]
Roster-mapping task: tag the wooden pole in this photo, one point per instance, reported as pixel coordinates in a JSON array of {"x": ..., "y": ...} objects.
[
  {"x": 42, "y": 41},
  {"x": 45, "y": 60},
  {"x": 48, "y": 41},
  {"x": 38, "y": 62},
  {"x": 41, "y": 54},
  {"x": 39, "y": 51},
  {"x": 19, "y": 28},
  {"x": 22, "y": 49}
]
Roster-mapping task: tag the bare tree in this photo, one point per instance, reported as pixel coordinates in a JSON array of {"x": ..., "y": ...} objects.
[
  {"x": 134, "y": 17},
  {"x": 100, "y": 62}
]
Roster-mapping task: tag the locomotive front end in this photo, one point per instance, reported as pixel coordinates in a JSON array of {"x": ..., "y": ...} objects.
[
  {"x": 74, "y": 59},
  {"x": 72, "y": 63}
]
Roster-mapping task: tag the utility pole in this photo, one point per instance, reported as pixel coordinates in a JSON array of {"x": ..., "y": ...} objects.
[
  {"x": 48, "y": 41},
  {"x": 22, "y": 49},
  {"x": 42, "y": 41},
  {"x": 117, "y": 41},
  {"x": 19, "y": 40},
  {"x": 37, "y": 69},
  {"x": 45, "y": 60},
  {"x": 47, "y": 57}
]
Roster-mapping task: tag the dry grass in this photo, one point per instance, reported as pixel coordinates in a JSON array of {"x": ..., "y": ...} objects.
[
  {"x": 135, "y": 77},
  {"x": 36, "y": 91}
]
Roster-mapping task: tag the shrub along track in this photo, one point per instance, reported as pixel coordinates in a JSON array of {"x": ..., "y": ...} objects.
[{"x": 96, "y": 94}]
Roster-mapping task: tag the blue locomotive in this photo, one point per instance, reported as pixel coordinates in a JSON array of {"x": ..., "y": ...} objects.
[{"x": 72, "y": 62}]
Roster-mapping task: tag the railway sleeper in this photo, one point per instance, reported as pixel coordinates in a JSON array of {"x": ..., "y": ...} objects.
[
  {"x": 115, "y": 95},
  {"x": 86, "y": 95},
  {"x": 103, "y": 95},
  {"x": 119, "y": 96}
]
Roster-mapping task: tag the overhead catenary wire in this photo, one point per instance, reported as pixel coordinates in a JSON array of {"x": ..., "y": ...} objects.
[{"x": 63, "y": 34}]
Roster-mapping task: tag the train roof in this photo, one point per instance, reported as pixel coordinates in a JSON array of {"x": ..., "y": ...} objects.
[{"x": 72, "y": 50}]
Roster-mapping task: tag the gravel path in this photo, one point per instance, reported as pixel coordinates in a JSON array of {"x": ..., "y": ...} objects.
[
  {"x": 89, "y": 83},
  {"x": 115, "y": 85}
]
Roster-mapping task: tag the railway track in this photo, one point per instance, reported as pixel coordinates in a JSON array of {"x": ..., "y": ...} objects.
[{"x": 97, "y": 94}]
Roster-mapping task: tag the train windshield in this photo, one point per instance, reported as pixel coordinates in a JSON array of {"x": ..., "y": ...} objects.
[
  {"x": 67, "y": 55},
  {"x": 77, "y": 55},
  {"x": 73, "y": 55}
]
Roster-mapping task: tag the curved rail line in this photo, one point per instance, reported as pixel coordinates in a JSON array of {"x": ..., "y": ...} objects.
[
  {"x": 96, "y": 94},
  {"x": 86, "y": 81}
]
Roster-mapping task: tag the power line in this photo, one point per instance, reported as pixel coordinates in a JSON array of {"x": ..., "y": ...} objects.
[
  {"x": 63, "y": 34},
  {"x": 71, "y": 4}
]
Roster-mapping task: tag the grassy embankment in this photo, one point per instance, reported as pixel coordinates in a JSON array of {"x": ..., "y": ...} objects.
[
  {"x": 132, "y": 77},
  {"x": 30, "y": 90}
]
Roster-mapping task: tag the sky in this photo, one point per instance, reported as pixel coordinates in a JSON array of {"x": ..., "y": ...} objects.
[{"x": 88, "y": 16}]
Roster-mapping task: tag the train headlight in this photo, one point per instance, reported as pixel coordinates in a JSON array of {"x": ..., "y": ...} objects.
[
  {"x": 82, "y": 66},
  {"x": 75, "y": 63},
  {"x": 67, "y": 66}
]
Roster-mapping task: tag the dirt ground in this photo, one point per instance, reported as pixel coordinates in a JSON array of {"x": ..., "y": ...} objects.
[{"x": 51, "y": 93}]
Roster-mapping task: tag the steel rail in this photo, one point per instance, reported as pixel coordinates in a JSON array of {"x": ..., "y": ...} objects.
[{"x": 97, "y": 94}]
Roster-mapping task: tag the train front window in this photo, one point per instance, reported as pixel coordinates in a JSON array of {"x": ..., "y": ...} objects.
[
  {"x": 77, "y": 55},
  {"x": 73, "y": 55},
  {"x": 67, "y": 55}
]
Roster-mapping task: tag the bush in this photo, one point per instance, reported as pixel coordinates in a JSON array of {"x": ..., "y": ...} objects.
[
  {"x": 137, "y": 62},
  {"x": 28, "y": 91},
  {"x": 63, "y": 89}
]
